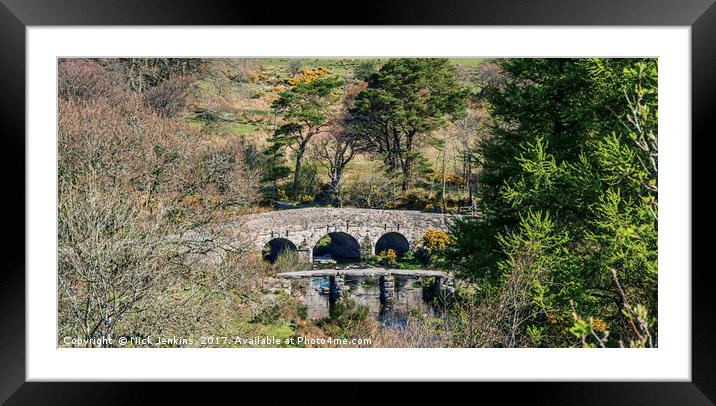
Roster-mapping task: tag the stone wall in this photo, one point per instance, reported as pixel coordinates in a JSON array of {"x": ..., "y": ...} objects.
[{"x": 304, "y": 227}]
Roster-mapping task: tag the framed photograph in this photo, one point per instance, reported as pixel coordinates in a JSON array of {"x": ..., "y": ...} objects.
[{"x": 435, "y": 192}]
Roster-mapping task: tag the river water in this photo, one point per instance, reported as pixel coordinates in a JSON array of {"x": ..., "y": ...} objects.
[{"x": 410, "y": 293}]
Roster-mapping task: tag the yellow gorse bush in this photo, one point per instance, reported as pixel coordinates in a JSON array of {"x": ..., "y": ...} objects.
[
  {"x": 450, "y": 178},
  {"x": 308, "y": 75},
  {"x": 390, "y": 256},
  {"x": 599, "y": 325},
  {"x": 435, "y": 240}
]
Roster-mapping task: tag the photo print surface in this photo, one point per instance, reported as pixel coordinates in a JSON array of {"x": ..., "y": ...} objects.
[{"x": 357, "y": 202}]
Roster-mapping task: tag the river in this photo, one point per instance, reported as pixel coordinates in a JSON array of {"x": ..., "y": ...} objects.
[{"x": 410, "y": 293}]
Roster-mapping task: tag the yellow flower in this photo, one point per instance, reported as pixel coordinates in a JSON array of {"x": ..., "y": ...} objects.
[
  {"x": 599, "y": 325},
  {"x": 435, "y": 240}
]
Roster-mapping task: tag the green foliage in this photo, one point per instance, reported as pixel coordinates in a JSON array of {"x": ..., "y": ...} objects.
[
  {"x": 307, "y": 183},
  {"x": 435, "y": 240},
  {"x": 409, "y": 260},
  {"x": 344, "y": 317},
  {"x": 346, "y": 312},
  {"x": 323, "y": 246},
  {"x": 289, "y": 261},
  {"x": 569, "y": 196},
  {"x": 276, "y": 169},
  {"x": 301, "y": 311},
  {"x": 538, "y": 257},
  {"x": 431, "y": 252},
  {"x": 305, "y": 108},
  {"x": 405, "y": 100},
  {"x": 373, "y": 188},
  {"x": 307, "y": 104},
  {"x": 267, "y": 314},
  {"x": 413, "y": 199},
  {"x": 474, "y": 248},
  {"x": 366, "y": 68},
  {"x": 388, "y": 257}
]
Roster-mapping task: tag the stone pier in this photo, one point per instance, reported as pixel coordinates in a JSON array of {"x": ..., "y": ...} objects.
[
  {"x": 437, "y": 284},
  {"x": 337, "y": 286},
  {"x": 387, "y": 290},
  {"x": 386, "y": 279}
]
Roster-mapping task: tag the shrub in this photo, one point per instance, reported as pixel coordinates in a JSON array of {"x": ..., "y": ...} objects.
[
  {"x": 435, "y": 240},
  {"x": 171, "y": 97},
  {"x": 370, "y": 189},
  {"x": 323, "y": 245},
  {"x": 308, "y": 75},
  {"x": 289, "y": 261},
  {"x": 84, "y": 79},
  {"x": 112, "y": 255},
  {"x": 347, "y": 312},
  {"x": 413, "y": 199},
  {"x": 389, "y": 257},
  {"x": 267, "y": 314}
]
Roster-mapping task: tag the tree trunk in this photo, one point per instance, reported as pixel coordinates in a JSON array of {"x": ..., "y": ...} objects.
[
  {"x": 443, "y": 181},
  {"x": 468, "y": 179},
  {"x": 406, "y": 163},
  {"x": 297, "y": 169},
  {"x": 335, "y": 182}
]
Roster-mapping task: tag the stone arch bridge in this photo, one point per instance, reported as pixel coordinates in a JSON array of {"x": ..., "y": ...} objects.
[{"x": 301, "y": 229}]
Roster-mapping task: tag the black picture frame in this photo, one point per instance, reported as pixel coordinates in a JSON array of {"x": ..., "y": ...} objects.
[{"x": 16, "y": 15}]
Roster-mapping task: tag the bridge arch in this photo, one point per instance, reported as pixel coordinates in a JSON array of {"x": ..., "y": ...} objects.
[
  {"x": 276, "y": 246},
  {"x": 304, "y": 227},
  {"x": 339, "y": 246},
  {"x": 392, "y": 240}
]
